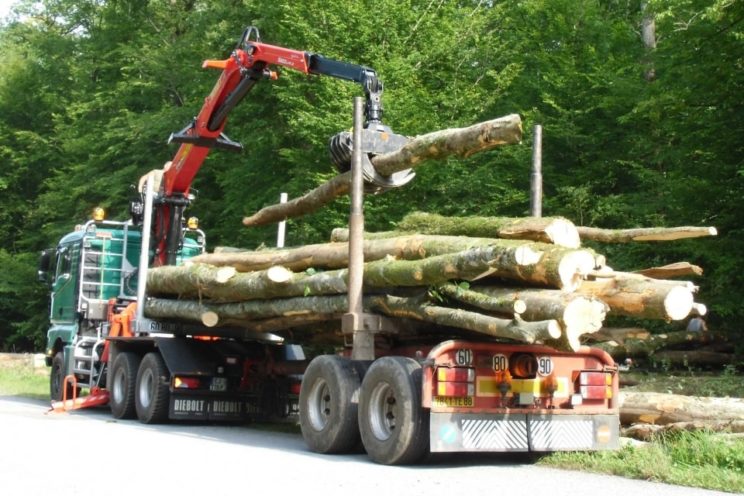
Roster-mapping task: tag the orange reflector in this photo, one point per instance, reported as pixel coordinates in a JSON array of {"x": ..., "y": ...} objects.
[{"x": 455, "y": 389}]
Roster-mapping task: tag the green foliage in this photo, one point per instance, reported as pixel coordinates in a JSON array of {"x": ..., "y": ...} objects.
[
  {"x": 697, "y": 459},
  {"x": 90, "y": 91}
]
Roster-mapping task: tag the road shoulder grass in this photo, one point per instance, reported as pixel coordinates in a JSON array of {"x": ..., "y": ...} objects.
[{"x": 696, "y": 459}]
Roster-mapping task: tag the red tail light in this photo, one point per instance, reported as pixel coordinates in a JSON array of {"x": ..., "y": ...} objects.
[
  {"x": 595, "y": 385},
  {"x": 186, "y": 382},
  {"x": 455, "y": 381},
  {"x": 294, "y": 388}
]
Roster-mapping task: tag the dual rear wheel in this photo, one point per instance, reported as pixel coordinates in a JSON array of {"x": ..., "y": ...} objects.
[
  {"x": 139, "y": 387},
  {"x": 343, "y": 403}
]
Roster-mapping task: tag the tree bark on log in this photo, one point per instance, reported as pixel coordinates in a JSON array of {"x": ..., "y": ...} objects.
[
  {"x": 679, "y": 269},
  {"x": 516, "y": 329},
  {"x": 661, "y": 408},
  {"x": 508, "y": 305},
  {"x": 637, "y": 296},
  {"x": 644, "y": 233},
  {"x": 554, "y": 230},
  {"x": 336, "y": 255},
  {"x": 437, "y": 145},
  {"x": 648, "y": 432},
  {"x": 577, "y": 315},
  {"x": 537, "y": 263},
  {"x": 294, "y": 310}
]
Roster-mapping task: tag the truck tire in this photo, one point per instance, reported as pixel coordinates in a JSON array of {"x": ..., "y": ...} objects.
[
  {"x": 121, "y": 391},
  {"x": 393, "y": 425},
  {"x": 328, "y": 410},
  {"x": 152, "y": 392},
  {"x": 57, "y": 378}
]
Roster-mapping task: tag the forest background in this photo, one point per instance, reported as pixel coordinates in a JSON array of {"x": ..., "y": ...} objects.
[{"x": 634, "y": 135}]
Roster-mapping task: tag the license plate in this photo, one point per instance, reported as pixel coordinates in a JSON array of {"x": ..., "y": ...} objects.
[
  {"x": 452, "y": 402},
  {"x": 219, "y": 384}
]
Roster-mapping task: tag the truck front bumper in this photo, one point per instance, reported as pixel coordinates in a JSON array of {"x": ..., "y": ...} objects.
[{"x": 450, "y": 432}]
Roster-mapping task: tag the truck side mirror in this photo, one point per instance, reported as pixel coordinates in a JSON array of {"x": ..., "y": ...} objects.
[{"x": 44, "y": 264}]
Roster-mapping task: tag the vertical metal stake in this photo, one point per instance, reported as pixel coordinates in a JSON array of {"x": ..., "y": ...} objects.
[
  {"x": 536, "y": 182},
  {"x": 363, "y": 347},
  {"x": 144, "y": 252},
  {"x": 282, "y": 229}
]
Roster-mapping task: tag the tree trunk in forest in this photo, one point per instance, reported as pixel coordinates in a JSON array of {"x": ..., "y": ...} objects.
[
  {"x": 555, "y": 230},
  {"x": 670, "y": 271},
  {"x": 660, "y": 408},
  {"x": 577, "y": 315},
  {"x": 643, "y": 233},
  {"x": 637, "y": 296},
  {"x": 437, "y": 145},
  {"x": 648, "y": 34},
  {"x": 336, "y": 255},
  {"x": 536, "y": 263}
]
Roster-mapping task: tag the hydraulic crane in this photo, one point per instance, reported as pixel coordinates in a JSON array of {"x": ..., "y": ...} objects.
[{"x": 249, "y": 63}]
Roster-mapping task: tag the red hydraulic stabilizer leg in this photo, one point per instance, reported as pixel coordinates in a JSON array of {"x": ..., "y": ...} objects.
[{"x": 97, "y": 397}]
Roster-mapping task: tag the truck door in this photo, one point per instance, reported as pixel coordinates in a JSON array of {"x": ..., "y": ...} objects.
[{"x": 64, "y": 287}]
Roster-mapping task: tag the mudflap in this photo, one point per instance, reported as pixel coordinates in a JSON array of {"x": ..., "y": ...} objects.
[
  {"x": 456, "y": 432},
  {"x": 204, "y": 407}
]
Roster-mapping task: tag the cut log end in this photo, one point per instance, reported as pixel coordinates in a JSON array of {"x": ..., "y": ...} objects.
[
  {"x": 224, "y": 274},
  {"x": 678, "y": 303},
  {"x": 573, "y": 268},
  {"x": 210, "y": 319},
  {"x": 278, "y": 274},
  {"x": 563, "y": 233},
  {"x": 520, "y": 307}
]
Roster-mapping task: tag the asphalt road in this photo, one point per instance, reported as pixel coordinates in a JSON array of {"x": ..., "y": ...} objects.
[{"x": 88, "y": 453}]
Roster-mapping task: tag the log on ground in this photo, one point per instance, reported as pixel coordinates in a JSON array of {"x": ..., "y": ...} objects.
[
  {"x": 661, "y": 408},
  {"x": 648, "y": 346},
  {"x": 437, "y": 145}
]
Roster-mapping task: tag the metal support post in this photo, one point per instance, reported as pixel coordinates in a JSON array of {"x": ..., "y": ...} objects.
[
  {"x": 363, "y": 347},
  {"x": 282, "y": 229},
  {"x": 144, "y": 260},
  {"x": 536, "y": 182}
]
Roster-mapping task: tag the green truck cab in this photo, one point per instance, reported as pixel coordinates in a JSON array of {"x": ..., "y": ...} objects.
[{"x": 89, "y": 271}]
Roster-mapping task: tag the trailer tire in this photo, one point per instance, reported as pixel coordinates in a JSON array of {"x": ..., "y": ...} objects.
[
  {"x": 123, "y": 379},
  {"x": 57, "y": 379},
  {"x": 152, "y": 394},
  {"x": 393, "y": 425},
  {"x": 328, "y": 406}
]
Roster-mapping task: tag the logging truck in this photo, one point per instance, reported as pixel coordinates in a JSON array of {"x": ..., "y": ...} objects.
[{"x": 401, "y": 398}]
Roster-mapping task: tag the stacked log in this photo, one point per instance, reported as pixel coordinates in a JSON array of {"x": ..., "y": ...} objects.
[
  {"x": 523, "y": 279},
  {"x": 514, "y": 289}
]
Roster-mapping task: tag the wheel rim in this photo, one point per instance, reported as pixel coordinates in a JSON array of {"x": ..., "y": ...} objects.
[
  {"x": 146, "y": 388},
  {"x": 382, "y": 410},
  {"x": 117, "y": 391},
  {"x": 319, "y": 405}
]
